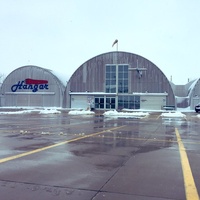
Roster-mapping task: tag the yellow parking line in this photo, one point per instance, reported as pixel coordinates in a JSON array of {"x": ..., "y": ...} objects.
[
  {"x": 54, "y": 145},
  {"x": 158, "y": 117},
  {"x": 190, "y": 187}
]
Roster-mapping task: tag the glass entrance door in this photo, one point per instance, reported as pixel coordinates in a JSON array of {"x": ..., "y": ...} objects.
[
  {"x": 104, "y": 102},
  {"x": 99, "y": 102},
  {"x": 110, "y": 102}
]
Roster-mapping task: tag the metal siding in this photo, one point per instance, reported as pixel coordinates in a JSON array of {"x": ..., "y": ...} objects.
[
  {"x": 33, "y": 99},
  {"x": 152, "y": 102},
  {"x": 153, "y": 80},
  {"x": 79, "y": 102},
  {"x": 21, "y": 100},
  {"x": 187, "y": 95},
  {"x": 195, "y": 95}
]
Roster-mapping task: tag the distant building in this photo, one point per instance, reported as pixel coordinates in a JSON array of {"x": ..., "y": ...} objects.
[{"x": 188, "y": 95}]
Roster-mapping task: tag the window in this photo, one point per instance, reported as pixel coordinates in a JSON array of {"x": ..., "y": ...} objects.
[
  {"x": 130, "y": 102},
  {"x": 123, "y": 78},
  {"x": 111, "y": 78},
  {"x": 116, "y": 78}
]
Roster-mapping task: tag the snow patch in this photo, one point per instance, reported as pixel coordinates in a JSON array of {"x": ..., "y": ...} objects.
[
  {"x": 173, "y": 114},
  {"x": 16, "y": 112},
  {"x": 49, "y": 111},
  {"x": 114, "y": 113},
  {"x": 40, "y": 111},
  {"x": 81, "y": 112}
]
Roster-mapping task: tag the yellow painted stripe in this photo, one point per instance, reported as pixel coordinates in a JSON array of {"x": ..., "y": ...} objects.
[
  {"x": 158, "y": 117},
  {"x": 54, "y": 145},
  {"x": 190, "y": 187}
]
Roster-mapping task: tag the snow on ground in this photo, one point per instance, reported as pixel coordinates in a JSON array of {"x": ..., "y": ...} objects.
[
  {"x": 49, "y": 111},
  {"x": 81, "y": 112},
  {"x": 126, "y": 113},
  {"x": 32, "y": 110},
  {"x": 15, "y": 112},
  {"x": 173, "y": 114},
  {"x": 114, "y": 113}
]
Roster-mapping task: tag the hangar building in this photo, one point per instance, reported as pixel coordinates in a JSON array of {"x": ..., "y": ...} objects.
[
  {"x": 187, "y": 95},
  {"x": 113, "y": 80},
  {"x": 117, "y": 80},
  {"x": 32, "y": 86}
]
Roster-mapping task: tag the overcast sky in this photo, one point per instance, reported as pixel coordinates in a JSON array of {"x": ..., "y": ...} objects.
[{"x": 63, "y": 34}]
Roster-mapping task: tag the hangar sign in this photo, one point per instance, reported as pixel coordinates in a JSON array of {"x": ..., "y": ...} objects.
[{"x": 30, "y": 84}]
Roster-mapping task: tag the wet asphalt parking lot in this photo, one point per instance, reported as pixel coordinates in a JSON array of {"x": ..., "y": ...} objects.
[{"x": 58, "y": 156}]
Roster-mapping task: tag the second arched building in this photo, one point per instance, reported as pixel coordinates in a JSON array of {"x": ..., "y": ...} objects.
[{"x": 118, "y": 80}]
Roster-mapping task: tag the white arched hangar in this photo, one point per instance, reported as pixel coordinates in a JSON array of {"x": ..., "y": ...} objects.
[{"x": 32, "y": 86}]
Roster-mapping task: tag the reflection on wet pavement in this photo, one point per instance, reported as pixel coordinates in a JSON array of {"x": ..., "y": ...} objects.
[{"x": 86, "y": 166}]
